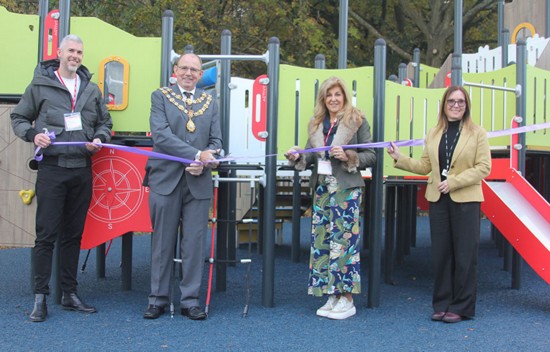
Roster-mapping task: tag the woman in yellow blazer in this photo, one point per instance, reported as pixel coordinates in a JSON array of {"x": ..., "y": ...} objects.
[{"x": 457, "y": 156}]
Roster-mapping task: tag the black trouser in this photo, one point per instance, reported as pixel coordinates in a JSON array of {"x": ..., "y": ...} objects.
[
  {"x": 63, "y": 197},
  {"x": 455, "y": 230}
]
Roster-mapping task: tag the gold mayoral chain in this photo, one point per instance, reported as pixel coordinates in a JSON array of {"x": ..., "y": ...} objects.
[{"x": 173, "y": 98}]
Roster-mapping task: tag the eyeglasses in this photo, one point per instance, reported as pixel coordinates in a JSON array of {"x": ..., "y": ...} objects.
[
  {"x": 460, "y": 102},
  {"x": 192, "y": 69}
]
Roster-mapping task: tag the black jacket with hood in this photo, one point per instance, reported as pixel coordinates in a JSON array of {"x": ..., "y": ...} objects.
[{"x": 43, "y": 106}]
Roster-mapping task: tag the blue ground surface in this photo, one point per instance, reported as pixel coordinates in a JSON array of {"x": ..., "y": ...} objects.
[{"x": 507, "y": 319}]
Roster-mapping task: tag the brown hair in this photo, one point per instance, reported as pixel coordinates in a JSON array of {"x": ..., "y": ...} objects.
[{"x": 443, "y": 122}]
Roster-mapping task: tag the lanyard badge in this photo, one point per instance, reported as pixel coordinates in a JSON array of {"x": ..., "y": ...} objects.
[{"x": 73, "y": 120}]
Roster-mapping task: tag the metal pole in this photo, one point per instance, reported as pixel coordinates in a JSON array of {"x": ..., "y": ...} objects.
[
  {"x": 320, "y": 61},
  {"x": 416, "y": 63},
  {"x": 377, "y": 183},
  {"x": 268, "y": 278},
  {"x": 64, "y": 18},
  {"x": 547, "y": 18},
  {"x": 343, "y": 35},
  {"x": 225, "y": 108},
  {"x": 189, "y": 49},
  {"x": 225, "y": 92},
  {"x": 456, "y": 73},
  {"x": 100, "y": 261},
  {"x": 389, "y": 239},
  {"x": 126, "y": 264},
  {"x": 263, "y": 58},
  {"x": 516, "y": 90},
  {"x": 521, "y": 79},
  {"x": 500, "y": 21},
  {"x": 42, "y": 14},
  {"x": 166, "y": 47},
  {"x": 225, "y": 204},
  {"x": 402, "y": 72},
  {"x": 504, "y": 47},
  {"x": 296, "y": 186}
]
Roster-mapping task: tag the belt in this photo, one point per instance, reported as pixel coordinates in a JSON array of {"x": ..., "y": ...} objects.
[{"x": 54, "y": 160}]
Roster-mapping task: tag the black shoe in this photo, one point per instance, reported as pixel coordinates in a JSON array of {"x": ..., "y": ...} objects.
[
  {"x": 153, "y": 312},
  {"x": 452, "y": 318},
  {"x": 70, "y": 301},
  {"x": 438, "y": 316},
  {"x": 193, "y": 313},
  {"x": 40, "y": 311}
]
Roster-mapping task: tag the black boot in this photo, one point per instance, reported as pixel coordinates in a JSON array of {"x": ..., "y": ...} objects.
[
  {"x": 40, "y": 311},
  {"x": 70, "y": 301}
]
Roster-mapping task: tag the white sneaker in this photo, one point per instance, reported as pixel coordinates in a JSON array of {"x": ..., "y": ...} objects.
[
  {"x": 342, "y": 310},
  {"x": 324, "y": 310}
]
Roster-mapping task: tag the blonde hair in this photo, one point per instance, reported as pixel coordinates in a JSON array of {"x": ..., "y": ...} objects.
[{"x": 346, "y": 115}]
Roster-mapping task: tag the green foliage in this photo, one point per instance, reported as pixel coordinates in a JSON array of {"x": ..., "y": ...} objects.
[
  {"x": 28, "y": 7},
  {"x": 305, "y": 28}
]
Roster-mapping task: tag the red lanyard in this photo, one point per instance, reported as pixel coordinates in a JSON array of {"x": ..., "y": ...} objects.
[
  {"x": 330, "y": 130},
  {"x": 73, "y": 100}
]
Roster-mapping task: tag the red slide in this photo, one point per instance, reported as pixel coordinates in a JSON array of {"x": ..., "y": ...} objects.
[{"x": 522, "y": 215}]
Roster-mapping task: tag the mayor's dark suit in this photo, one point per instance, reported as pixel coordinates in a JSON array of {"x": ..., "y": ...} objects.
[{"x": 176, "y": 194}]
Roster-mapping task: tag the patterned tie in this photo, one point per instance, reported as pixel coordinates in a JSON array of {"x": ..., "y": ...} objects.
[{"x": 188, "y": 98}]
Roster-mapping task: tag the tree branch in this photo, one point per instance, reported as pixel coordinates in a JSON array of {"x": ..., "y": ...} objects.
[
  {"x": 478, "y": 7},
  {"x": 363, "y": 23},
  {"x": 416, "y": 17}
]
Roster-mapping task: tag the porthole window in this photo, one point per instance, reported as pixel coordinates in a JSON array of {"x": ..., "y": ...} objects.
[{"x": 113, "y": 82}]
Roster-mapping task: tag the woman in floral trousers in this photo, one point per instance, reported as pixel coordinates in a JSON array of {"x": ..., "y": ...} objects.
[{"x": 337, "y": 181}]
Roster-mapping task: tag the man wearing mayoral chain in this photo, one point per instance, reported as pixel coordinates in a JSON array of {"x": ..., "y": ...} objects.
[{"x": 185, "y": 123}]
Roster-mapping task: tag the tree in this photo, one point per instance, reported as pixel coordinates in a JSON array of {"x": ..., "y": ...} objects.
[
  {"x": 305, "y": 28},
  {"x": 428, "y": 25}
]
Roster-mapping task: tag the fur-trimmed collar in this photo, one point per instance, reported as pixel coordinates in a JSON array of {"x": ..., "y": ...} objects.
[{"x": 343, "y": 134}]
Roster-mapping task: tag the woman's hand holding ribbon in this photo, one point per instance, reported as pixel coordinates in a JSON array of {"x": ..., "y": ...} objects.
[
  {"x": 339, "y": 153},
  {"x": 393, "y": 151}
]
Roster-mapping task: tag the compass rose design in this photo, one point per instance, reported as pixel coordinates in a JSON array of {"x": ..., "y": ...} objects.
[{"x": 117, "y": 191}]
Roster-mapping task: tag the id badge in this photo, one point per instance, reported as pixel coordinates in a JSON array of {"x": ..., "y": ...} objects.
[
  {"x": 324, "y": 167},
  {"x": 73, "y": 122},
  {"x": 445, "y": 173}
]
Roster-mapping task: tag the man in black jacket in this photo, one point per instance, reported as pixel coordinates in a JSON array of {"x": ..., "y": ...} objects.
[{"x": 62, "y": 100}]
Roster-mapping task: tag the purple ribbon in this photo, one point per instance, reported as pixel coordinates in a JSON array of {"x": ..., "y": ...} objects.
[
  {"x": 132, "y": 150},
  {"x": 517, "y": 130},
  {"x": 418, "y": 142},
  {"x": 39, "y": 157},
  {"x": 404, "y": 143}
]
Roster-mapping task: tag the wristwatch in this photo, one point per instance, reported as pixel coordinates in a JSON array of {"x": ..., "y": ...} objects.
[{"x": 198, "y": 156}]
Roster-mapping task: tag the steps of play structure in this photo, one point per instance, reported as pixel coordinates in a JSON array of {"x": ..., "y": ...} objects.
[
  {"x": 248, "y": 232},
  {"x": 283, "y": 201},
  {"x": 283, "y": 209},
  {"x": 522, "y": 215}
]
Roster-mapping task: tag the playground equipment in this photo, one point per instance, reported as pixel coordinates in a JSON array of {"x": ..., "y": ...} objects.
[
  {"x": 396, "y": 112},
  {"x": 522, "y": 215}
]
